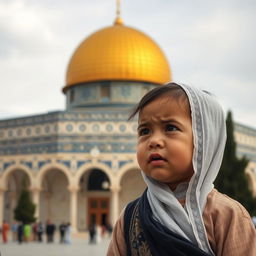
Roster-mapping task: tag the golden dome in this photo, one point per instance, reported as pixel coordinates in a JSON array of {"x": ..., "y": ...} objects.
[{"x": 117, "y": 53}]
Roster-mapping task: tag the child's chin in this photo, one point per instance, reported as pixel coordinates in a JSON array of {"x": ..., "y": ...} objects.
[{"x": 161, "y": 178}]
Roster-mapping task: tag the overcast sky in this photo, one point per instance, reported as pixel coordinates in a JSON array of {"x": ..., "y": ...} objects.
[{"x": 209, "y": 44}]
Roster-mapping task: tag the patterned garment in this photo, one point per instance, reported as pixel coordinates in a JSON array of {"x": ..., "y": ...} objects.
[
  {"x": 229, "y": 228},
  {"x": 146, "y": 236},
  {"x": 136, "y": 238}
]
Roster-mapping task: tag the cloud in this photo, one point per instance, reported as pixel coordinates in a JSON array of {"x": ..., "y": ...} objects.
[{"x": 208, "y": 43}]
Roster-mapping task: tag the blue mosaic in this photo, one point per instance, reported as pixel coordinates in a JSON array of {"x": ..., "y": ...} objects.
[
  {"x": 69, "y": 127},
  {"x": 122, "y": 163},
  {"x": 42, "y": 163},
  {"x": 28, "y": 131},
  {"x": 126, "y": 91},
  {"x": 108, "y": 163},
  {"x": 7, "y": 164},
  {"x": 95, "y": 127},
  {"x": 88, "y": 92},
  {"x": 10, "y": 133},
  {"x": 50, "y": 118},
  {"x": 19, "y": 132},
  {"x": 66, "y": 163},
  {"x": 109, "y": 127},
  {"x": 82, "y": 127},
  {"x": 47, "y": 129},
  {"x": 56, "y": 128},
  {"x": 80, "y": 163},
  {"x": 28, "y": 164},
  {"x": 122, "y": 128},
  {"x": 38, "y": 130}
]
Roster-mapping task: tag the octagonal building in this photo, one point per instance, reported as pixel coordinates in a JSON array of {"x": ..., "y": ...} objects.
[{"x": 80, "y": 164}]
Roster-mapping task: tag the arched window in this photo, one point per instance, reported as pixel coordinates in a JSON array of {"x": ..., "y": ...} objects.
[{"x": 98, "y": 180}]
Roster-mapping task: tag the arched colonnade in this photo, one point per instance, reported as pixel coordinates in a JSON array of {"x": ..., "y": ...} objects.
[{"x": 62, "y": 195}]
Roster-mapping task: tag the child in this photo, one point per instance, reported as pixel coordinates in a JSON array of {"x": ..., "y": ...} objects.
[{"x": 181, "y": 140}]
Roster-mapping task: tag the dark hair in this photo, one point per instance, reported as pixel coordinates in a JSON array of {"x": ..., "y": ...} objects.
[{"x": 171, "y": 89}]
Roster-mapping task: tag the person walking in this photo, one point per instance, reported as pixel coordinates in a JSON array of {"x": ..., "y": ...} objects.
[
  {"x": 92, "y": 233},
  {"x": 27, "y": 232},
  {"x": 68, "y": 233},
  {"x": 34, "y": 231},
  {"x": 20, "y": 232},
  {"x": 98, "y": 234},
  {"x": 5, "y": 229},
  {"x": 62, "y": 229},
  {"x": 40, "y": 231},
  {"x": 50, "y": 230},
  {"x": 14, "y": 229}
]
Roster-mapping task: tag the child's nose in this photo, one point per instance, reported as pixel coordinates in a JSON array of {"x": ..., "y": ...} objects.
[{"x": 156, "y": 140}]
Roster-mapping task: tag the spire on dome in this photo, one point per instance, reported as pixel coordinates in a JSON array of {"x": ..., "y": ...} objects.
[{"x": 118, "y": 20}]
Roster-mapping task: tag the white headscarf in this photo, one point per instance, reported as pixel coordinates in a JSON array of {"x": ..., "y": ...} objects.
[{"x": 209, "y": 134}]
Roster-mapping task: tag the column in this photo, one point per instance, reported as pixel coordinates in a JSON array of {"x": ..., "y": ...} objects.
[
  {"x": 1, "y": 205},
  {"x": 114, "y": 203},
  {"x": 36, "y": 200},
  {"x": 73, "y": 208}
]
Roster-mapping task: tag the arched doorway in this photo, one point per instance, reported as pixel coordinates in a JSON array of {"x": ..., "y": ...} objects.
[
  {"x": 95, "y": 193},
  {"x": 132, "y": 186},
  {"x": 15, "y": 182},
  {"x": 54, "y": 197}
]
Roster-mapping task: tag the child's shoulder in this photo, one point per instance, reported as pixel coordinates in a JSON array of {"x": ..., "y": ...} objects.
[{"x": 225, "y": 205}]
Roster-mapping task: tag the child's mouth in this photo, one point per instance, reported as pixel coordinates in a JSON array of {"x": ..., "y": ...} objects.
[{"x": 156, "y": 158}]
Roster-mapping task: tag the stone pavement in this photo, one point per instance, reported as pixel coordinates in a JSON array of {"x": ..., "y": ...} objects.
[{"x": 79, "y": 247}]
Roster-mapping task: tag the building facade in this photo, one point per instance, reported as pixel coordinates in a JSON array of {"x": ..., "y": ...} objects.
[
  {"x": 245, "y": 138},
  {"x": 80, "y": 164}
]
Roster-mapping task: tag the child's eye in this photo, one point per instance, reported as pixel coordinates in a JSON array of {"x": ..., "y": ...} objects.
[
  {"x": 170, "y": 128},
  {"x": 143, "y": 131}
]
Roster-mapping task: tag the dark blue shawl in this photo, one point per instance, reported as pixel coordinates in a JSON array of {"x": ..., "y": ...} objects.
[{"x": 146, "y": 236}]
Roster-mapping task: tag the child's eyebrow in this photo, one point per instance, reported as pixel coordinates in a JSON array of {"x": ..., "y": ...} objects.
[
  {"x": 141, "y": 125},
  {"x": 172, "y": 121},
  {"x": 166, "y": 121}
]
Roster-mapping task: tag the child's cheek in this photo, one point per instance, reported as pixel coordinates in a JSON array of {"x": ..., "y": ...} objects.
[{"x": 140, "y": 155}]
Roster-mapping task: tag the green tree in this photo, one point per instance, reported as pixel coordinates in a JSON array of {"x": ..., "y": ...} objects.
[
  {"x": 25, "y": 209},
  {"x": 232, "y": 179}
]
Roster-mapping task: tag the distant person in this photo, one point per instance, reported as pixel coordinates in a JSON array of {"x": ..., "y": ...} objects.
[
  {"x": 5, "y": 230},
  {"x": 68, "y": 234},
  {"x": 14, "y": 229},
  {"x": 50, "y": 230},
  {"x": 92, "y": 233},
  {"x": 40, "y": 231},
  {"x": 62, "y": 229},
  {"x": 103, "y": 230},
  {"x": 20, "y": 232},
  {"x": 34, "y": 231},
  {"x": 98, "y": 234},
  {"x": 27, "y": 232}
]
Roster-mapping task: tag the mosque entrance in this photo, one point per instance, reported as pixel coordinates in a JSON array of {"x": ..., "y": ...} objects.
[
  {"x": 98, "y": 197},
  {"x": 98, "y": 210}
]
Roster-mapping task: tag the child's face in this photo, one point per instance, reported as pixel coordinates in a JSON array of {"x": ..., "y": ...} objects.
[{"x": 165, "y": 141}]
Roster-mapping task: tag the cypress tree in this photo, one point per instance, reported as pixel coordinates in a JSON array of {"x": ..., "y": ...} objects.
[
  {"x": 232, "y": 179},
  {"x": 25, "y": 209}
]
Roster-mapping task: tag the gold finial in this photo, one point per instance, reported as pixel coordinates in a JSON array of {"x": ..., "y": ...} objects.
[
  {"x": 118, "y": 8},
  {"x": 118, "y": 20}
]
